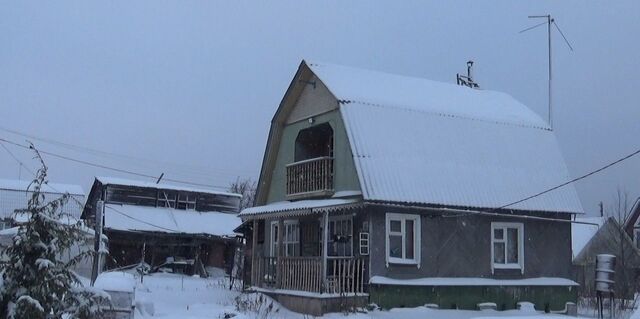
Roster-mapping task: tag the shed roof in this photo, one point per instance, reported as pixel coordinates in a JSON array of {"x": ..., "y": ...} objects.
[
  {"x": 168, "y": 220},
  {"x": 130, "y": 182},
  {"x": 419, "y": 141}
]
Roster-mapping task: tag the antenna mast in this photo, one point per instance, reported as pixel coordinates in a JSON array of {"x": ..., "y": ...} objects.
[{"x": 550, "y": 20}]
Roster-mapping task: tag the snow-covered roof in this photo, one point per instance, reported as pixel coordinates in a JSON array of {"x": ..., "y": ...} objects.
[
  {"x": 285, "y": 206},
  {"x": 57, "y": 188},
  {"x": 581, "y": 234},
  {"x": 419, "y": 141},
  {"x": 116, "y": 281},
  {"x": 471, "y": 281},
  {"x": 169, "y": 220},
  {"x": 129, "y": 182}
]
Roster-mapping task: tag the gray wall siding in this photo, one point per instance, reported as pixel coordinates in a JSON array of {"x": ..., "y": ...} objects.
[{"x": 461, "y": 247}]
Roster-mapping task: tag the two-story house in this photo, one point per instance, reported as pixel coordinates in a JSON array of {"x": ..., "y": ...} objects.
[
  {"x": 402, "y": 191},
  {"x": 165, "y": 224}
]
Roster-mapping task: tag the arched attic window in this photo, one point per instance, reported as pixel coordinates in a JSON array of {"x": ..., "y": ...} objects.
[{"x": 314, "y": 142}]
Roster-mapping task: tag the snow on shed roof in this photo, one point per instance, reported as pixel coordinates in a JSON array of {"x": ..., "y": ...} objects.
[
  {"x": 56, "y": 188},
  {"x": 169, "y": 220},
  {"x": 445, "y": 144},
  {"x": 129, "y": 182},
  {"x": 581, "y": 234}
]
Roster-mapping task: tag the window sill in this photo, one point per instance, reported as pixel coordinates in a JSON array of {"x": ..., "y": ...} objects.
[
  {"x": 398, "y": 261},
  {"x": 507, "y": 266}
]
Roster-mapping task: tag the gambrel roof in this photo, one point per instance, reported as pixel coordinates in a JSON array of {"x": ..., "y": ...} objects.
[{"x": 423, "y": 142}]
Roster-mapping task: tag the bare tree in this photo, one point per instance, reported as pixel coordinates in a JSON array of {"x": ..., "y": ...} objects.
[
  {"x": 247, "y": 188},
  {"x": 626, "y": 285}
]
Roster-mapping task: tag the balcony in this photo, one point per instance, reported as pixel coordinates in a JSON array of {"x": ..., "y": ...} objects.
[{"x": 310, "y": 178}]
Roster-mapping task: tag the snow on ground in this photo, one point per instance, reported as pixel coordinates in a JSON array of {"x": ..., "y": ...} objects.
[{"x": 175, "y": 296}]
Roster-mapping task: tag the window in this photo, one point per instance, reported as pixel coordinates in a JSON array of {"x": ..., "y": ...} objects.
[
  {"x": 364, "y": 244},
  {"x": 402, "y": 239},
  {"x": 4, "y": 224},
  {"x": 637, "y": 237},
  {"x": 290, "y": 238},
  {"x": 166, "y": 199},
  {"x": 340, "y": 239},
  {"x": 507, "y": 246},
  {"x": 186, "y": 201}
]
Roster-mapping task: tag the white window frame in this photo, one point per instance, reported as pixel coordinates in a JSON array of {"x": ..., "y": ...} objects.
[
  {"x": 274, "y": 239},
  {"x": 188, "y": 199},
  {"x": 504, "y": 226},
  {"x": 416, "y": 238}
]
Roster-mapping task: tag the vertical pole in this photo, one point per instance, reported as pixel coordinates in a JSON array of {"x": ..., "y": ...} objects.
[
  {"x": 325, "y": 235},
  {"x": 95, "y": 269},
  {"x": 549, "y": 20},
  {"x": 280, "y": 253},
  {"x": 254, "y": 255}
]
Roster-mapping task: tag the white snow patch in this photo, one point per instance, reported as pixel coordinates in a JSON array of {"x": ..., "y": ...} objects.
[
  {"x": 471, "y": 281},
  {"x": 128, "y": 182},
  {"x": 169, "y": 220},
  {"x": 116, "y": 281}
]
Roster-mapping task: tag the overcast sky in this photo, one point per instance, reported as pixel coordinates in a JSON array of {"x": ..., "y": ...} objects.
[{"x": 188, "y": 88}]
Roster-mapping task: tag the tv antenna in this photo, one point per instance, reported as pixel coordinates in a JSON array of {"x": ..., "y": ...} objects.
[{"x": 549, "y": 22}]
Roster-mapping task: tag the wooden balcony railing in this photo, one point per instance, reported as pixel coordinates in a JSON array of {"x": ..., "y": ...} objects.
[
  {"x": 344, "y": 274},
  {"x": 312, "y": 177}
]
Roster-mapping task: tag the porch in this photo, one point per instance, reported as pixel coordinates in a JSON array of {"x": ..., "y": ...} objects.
[{"x": 319, "y": 249}]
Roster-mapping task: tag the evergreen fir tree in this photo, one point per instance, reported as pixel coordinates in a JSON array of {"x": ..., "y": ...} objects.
[{"x": 37, "y": 282}]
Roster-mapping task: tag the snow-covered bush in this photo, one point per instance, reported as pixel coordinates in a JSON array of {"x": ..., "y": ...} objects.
[{"x": 37, "y": 283}]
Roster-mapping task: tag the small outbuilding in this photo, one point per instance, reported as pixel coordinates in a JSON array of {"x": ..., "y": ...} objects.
[
  {"x": 604, "y": 235},
  {"x": 167, "y": 227}
]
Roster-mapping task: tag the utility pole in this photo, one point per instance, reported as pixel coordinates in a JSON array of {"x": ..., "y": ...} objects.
[
  {"x": 549, "y": 22},
  {"x": 95, "y": 270}
]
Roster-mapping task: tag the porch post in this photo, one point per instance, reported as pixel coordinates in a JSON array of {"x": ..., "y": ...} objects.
[
  {"x": 325, "y": 235},
  {"x": 254, "y": 255},
  {"x": 280, "y": 253}
]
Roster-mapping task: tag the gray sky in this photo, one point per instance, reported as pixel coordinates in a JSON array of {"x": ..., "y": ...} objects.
[{"x": 189, "y": 87}]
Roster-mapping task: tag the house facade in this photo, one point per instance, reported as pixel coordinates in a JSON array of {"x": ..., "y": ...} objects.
[
  {"x": 400, "y": 191},
  {"x": 632, "y": 224},
  {"x": 167, "y": 226}
]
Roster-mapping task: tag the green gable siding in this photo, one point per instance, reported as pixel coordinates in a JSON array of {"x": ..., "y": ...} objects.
[{"x": 345, "y": 176}]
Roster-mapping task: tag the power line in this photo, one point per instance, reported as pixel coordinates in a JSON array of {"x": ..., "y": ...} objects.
[
  {"x": 141, "y": 221},
  {"x": 573, "y": 180},
  {"x": 188, "y": 169},
  {"x": 114, "y": 168},
  {"x": 17, "y": 160}
]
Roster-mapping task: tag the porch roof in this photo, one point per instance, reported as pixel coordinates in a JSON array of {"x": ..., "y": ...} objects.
[{"x": 302, "y": 207}]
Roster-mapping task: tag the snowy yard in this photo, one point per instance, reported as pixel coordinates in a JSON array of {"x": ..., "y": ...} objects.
[{"x": 177, "y": 296}]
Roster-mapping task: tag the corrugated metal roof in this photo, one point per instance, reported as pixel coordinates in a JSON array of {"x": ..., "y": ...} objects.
[
  {"x": 298, "y": 206},
  {"x": 419, "y": 141}
]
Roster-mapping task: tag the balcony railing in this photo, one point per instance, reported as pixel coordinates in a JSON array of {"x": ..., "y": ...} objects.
[{"x": 308, "y": 178}]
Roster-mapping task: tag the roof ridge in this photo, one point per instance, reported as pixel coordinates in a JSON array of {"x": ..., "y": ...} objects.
[{"x": 460, "y": 116}]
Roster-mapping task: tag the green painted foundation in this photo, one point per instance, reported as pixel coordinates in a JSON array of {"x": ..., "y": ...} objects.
[{"x": 545, "y": 298}]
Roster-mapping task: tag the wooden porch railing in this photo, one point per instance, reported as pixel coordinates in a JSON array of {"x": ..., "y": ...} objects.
[
  {"x": 309, "y": 177},
  {"x": 344, "y": 274},
  {"x": 347, "y": 275}
]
